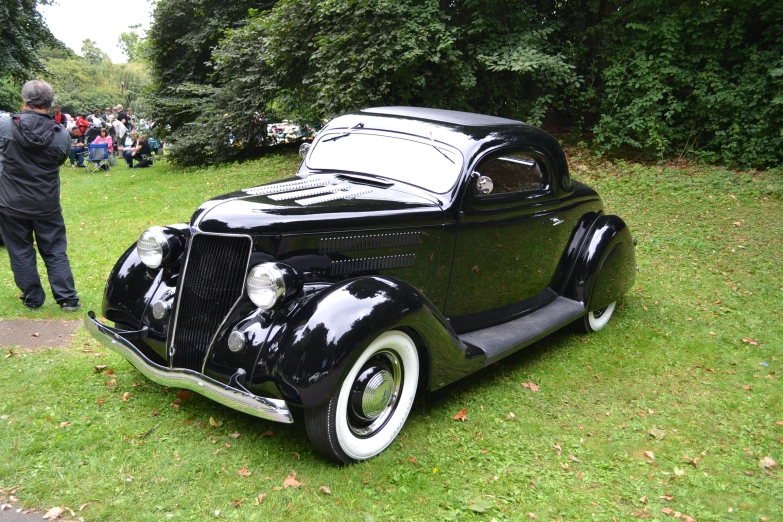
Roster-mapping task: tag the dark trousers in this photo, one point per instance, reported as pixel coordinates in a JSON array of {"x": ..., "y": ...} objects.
[
  {"x": 77, "y": 154},
  {"x": 52, "y": 243}
]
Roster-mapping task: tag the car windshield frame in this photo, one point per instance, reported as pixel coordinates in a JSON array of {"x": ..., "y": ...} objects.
[{"x": 388, "y": 155}]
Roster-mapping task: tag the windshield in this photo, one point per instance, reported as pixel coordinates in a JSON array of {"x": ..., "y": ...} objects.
[{"x": 424, "y": 163}]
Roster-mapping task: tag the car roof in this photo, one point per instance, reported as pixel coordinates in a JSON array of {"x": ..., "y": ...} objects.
[{"x": 467, "y": 119}]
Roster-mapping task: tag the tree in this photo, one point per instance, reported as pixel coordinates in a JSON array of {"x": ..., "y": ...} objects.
[
  {"x": 92, "y": 53},
  {"x": 664, "y": 77},
  {"x": 129, "y": 43},
  {"x": 80, "y": 85},
  {"x": 22, "y": 35}
]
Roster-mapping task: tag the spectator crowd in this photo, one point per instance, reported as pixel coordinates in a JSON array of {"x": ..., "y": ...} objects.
[{"x": 119, "y": 129}]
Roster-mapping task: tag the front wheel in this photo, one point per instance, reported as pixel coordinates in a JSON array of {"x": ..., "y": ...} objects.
[
  {"x": 368, "y": 411},
  {"x": 596, "y": 319}
]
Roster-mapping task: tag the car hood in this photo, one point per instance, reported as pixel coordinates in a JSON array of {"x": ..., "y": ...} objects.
[{"x": 317, "y": 203}]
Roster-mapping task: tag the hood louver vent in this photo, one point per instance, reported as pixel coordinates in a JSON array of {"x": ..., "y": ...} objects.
[
  {"x": 333, "y": 197},
  {"x": 329, "y": 189},
  {"x": 288, "y": 186}
]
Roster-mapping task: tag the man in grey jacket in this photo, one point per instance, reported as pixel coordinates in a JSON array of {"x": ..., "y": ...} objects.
[{"x": 32, "y": 148}]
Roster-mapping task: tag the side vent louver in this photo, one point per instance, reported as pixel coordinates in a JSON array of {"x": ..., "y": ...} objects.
[
  {"x": 331, "y": 245},
  {"x": 371, "y": 264}
]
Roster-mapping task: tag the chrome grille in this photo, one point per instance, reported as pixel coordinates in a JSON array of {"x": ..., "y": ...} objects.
[{"x": 213, "y": 282}]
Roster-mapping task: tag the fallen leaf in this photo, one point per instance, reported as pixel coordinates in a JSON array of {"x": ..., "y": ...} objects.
[
  {"x": 295, "y": 454},
  {"x": 511, "y": 416},
  {"x": 125, "y": 396},
  {"x": 64, "y": 424},
  {"x": 237, "y": 502},
  {"x": 412, "y": 460},
  {"x": 243, "y": 472},
  {"x": 480, "y": 506},
  {"x": 110, "y": 371},
  {"x": 460, "y": 416},
  {"x": 325, "y": 490},
  {"x": 643, "y": 500},
  {"x": 667, "y": 511},
  {"x": 642, "y": 513},
  {"x": 184, "y": 395},
  {"x": 36, "y": 334},
  {"x": 234, "y": 435},
  {"x": 574, "y": 458},
  {"x": 750, "y": 341},
  {"x": 678, "y": 471},
  {"x": 532, "y": 516},
  {"x": 111, "y": 384},
  {"x": 213, "y": 422},
  {"x": 259, "y": 499},
  {"x": 101, "y": 400},
  {"x": 657, "y": 433},
  {"x": 529, "y": 385},
  {"x": 687, "y": 518},
  {"x": 267, "y": 433},
  {"x": 692, "y": 461},
  {"x": 475, "y": 268},
  {"x": 650, "y": 455},
  {"x": 666, "y": 497},
  {"x": 54, "y": 513},
  {"x": 99, "y": 368},
  {"x": 290, "y": 481},
  {"x": 767, "y": 462}
]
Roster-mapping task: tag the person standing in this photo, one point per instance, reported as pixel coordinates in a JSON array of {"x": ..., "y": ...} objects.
[
  {"x": 59, "y": 116},
  {"x": 123, "y": 117},
  {"x": 32, "y": 148}
]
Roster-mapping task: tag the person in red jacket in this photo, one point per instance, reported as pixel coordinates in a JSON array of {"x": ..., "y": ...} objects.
[{"x": 82, "y": 123}]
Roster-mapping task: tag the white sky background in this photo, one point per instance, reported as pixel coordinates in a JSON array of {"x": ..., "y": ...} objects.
[{"x": 102, "y": 21}]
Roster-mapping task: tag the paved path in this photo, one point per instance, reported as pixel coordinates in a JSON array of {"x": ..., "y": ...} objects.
[{"x": 37, "y": 334}]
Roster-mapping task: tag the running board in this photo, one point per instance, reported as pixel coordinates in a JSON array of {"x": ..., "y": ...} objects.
[{"x": 504, "y": 339}]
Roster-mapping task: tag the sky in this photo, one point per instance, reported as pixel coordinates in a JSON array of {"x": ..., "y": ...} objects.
[{"x": 72, "y": 21}]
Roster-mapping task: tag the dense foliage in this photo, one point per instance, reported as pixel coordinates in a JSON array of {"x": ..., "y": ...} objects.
[
  {"x": 694, "y": 77},
  {"x": 23, "y": 33},
  {"x": 664, "y": 77}
]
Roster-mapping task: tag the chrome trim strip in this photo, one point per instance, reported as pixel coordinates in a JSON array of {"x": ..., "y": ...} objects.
[{"x": 266, "y": 408}]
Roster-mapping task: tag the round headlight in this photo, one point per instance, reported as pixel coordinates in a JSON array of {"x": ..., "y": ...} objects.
[
  {"x": 152, "y": 247},
  {"x": 265, "y": 285}
]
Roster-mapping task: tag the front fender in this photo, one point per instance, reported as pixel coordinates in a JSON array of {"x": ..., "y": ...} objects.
[
  {"x": 310, "y": 354},
  {"x": 604, "y": 268},
  {"x": 128, "y": 290}
]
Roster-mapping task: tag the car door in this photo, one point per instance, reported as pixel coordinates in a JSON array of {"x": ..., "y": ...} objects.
[{"x": 508, "y": 241}]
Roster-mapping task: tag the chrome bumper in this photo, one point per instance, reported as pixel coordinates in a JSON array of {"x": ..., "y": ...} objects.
[{"x": 272, "y": 409}]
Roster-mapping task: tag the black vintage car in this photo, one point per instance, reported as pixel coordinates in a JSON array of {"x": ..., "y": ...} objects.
[{"x": 414, "y": 247}]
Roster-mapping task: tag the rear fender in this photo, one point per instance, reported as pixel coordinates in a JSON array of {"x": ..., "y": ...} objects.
[
  {"x": 309, "y": 355},
  {"x": 604, "y": 267}
]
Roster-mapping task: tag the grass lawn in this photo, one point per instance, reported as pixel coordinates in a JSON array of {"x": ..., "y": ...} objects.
[{"x": 676, "y": 406}]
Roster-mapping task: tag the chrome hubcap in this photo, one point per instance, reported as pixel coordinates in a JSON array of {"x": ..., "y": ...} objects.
[{"x": 375, "y": 393}]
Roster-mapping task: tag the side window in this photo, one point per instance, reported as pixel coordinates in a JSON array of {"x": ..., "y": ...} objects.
[{"x": 514, "y": 172}]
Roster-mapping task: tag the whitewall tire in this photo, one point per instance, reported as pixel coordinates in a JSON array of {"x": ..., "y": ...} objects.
[
  {"x": 596, "y": 319},
  {"x": 371, "y": 406}
]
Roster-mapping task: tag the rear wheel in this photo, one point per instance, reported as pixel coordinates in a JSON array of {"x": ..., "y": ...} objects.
[
  {"x": 596, "y": 319},
  {"x": 368, "y": 411}
]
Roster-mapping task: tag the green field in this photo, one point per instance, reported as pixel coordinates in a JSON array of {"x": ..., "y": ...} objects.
[{"x": 676, "y": 406}]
